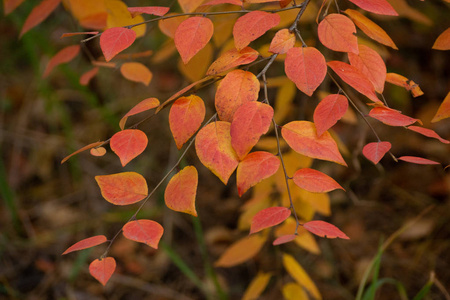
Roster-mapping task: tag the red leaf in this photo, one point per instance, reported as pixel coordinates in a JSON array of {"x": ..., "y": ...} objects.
[
  {"x": 329, "y": 111},
  {"x": 213, "y": 147},
  {"x": 443, "y": 41},
  {"x": 115, "y": 40},
  {"x": 306, "y": 67},
  {"x": 123, "y": 188},
  {"x": 192, "y": 35},
  {"x": 87, "y": 76},
  {"x": 87, "y": 147},
  {"x": 251, "y": 26},
  {"x": 443, "y": 110},
  {"x": 255, "y": 167},
  {"x": 282, "y": 41},
  {"x": 284, "y": 239},
  {"x": 39, "y": 13},
  {"x": 302, "y": 137},
  {"x": 102, "y": 269},
  {"x": 353, "y": 77},
  {"x": 185, "y": 117},
  {"x": 10, "y": 5},
  {"x": 315, "y": 181},
  {"x": 375, "y": 151},
  {"x": 337, "y": 32},
  {"x": 429, "y": 133},
  {"x": 324, "y": 229},
  {"x": 404, "y": 82},
  {"x": 237, "y": 88},
  {"x": 181, "y": 190},
  {"x": 128, "y": 144},
  {"x": 232, "y": 58},
  {"x": 418, "y": 160},
  {"x": 250, "y": 121},
  {"x": 86, "y": 243},
  {"x": 391, "y": 116},
  {"x": 63, "y": 56},
  {"x": 149, "y": 10},
  {"x": 142, "y": 106},
  {"x": 144, "y": 231},
  {"x": 371, "y": 65},
  {"x": 381, "y": 7},
  {"x": 269, "y": 217},
  {"x": 136, "y": 72}
]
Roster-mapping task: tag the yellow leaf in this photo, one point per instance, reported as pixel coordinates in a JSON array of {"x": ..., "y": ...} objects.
[
  {"x": 283, "y": 103},
  {"x": 241, "y": 251},
  {"x": 319, "y": 201},
  {"x": 304, "y": 239},
  {"x": 137, "y": 72},
  {"x": 196, "y": 68},
  {"x": 90, "y": 14},
  {"x": 257, "y": 286},
  {"x": 293, "y": 291},
  {"x": 119, "y": 16}
]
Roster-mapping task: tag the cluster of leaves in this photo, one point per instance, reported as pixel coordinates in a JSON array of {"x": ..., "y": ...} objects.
[{"x": 244, "y": 112}]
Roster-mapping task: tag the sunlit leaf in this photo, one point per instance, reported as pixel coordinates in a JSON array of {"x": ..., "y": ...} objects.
[
  {"x": 232, "y": 58},
  {"x": 87, "y": 147},
  {"x": 418, "y": 160},
  {"x": 257, "y": 286},
  {"x": 86, "y": 243},
  {"x": 87, "y": 76},
  {"x": 282, "y": 41},
  {"x": 251, "y": 26},
  {"x": 429, "y": 133},
  {"x": 149, "y": 10},
  {"x": 381, "y": 7},
  {"x": 404, "y": 82},
  {"x": 300, "y": 275},
  {"x": 142, "y": 106},
  {"x": 65, "y": 55},
  {"x": 144, "y": 231},
  {"x": 324, "y": 229},
  {"x": 443, "y": 111},
  {"x": 315, "y": 181},
  {"x": 115, "y": 40},
  {"x": 337, "y": 32},
  {"x": 102, "y": 269},
  {"x": 375, "y": 151},
  {"x": 119, "y": 16},
  {"x": 181, "y": 190},
  {"x": 391, "y": 116},
  {"x": 241, "y": 251},
  {"x": 443, "y": 41},
  {"x": 329, "y": 110},
  {"x": 128, "y": 144},
  {"x": 39, "y": 13},
  {"x": 371, "y": 65},
  {"x": 123, "y": 188},
  {"x": 269, "y": 217},
  {"x": 192, "y": 35}
]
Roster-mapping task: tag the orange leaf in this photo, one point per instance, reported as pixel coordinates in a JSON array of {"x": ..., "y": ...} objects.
[
  {"x": 255, "y": 167},
  {"x": 217, "y": 2},
  {"x": 86, "y": 243},
  {"x": 102, "y": 269},
  {"x": 418, "y": 160},
  {"x": 87, "y": 147},
  {"x": 371, "y": 65},
  {"x": 237, "y": 88},
  {"x": 329, "y": 110},
  {"x": 284, "y": 239},
  {"x": 353, "y": 77},
  {"x": 213, "y": 147},
  {"x": 269, "y": 217},
  {"x": 257, "y": 286},
  {"x": 324, "y": 229},
  {"x": 192, "y": 35},
  {"x": 444, "y": 110},
  {"x": 241, "y": 251},
  {"x": 375, "y": 151},
  {"x": 282, "y": 41},
  {"x": 232, "y": 58},
  {"x": 443, "y": 41},
  {"x": 259, "y": 1},
  {"x": 181, "y": 190},
  {"x": 63, "y": 56},
  {"x": 428, "y": 132},
  {"x": 99, "y": 151},
  {"x": 123, "y": 188},
  {"x": 185, "y": 117},
  {"x": 251, "y": 26},
  {"x": 189, "y": 6},
  {"x": 137, "y": 72},
  {"x": 115, "y": 40},
  {"x": 381, "y": 7},
  {"x": 250, "y": 121},
  {"x": 302, "y": 137},
  {"x": 315, "y": 181},
  {"x": 87, "y": 76},
  {"x": 144, "y": 231},
  {"x": 149, "y": 10},
  {"x": 142, "y": 106},
  {"x": 371, "y": 29},
  {"x": 170, "y": 25},
  {"x": 391, "y": 117},
  {"x": 10, "y": 5},
  {"x": 128, "y": 144},
  {"x": 69, "y": 34},
  {"x": 337, "y": 32},
  {"x": 306, "y": 67},
  {"x": 39, "y": 13},
  {"x": 404, "y": 82}
]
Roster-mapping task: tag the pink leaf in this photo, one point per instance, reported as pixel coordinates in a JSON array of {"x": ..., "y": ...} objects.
[
  {"x": 391, "y": 116},
  {"x": 324, "y": 229},
  {"x": 429, "y": 133},
  {"x": 375, "y": 151},
  {"x": 418, "y": 160},
  {"x": 115, "y": 40}
]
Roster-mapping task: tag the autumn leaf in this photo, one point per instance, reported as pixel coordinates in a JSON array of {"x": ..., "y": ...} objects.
[
  {"x": 65, "y": 55},
  {"x": 282, "y": 41},
  {"x": 144, "y": 231},
  {"x": 102, "y": 269},
  {"x": 315, "y": 181},
  {"x": 375, "y": 151},
  {"x": 232, "y": 58},
  {"x": 306, "y": 67},
  {"x": 251, "y": 26},
  {"x": 189, "y": 6},
  {"x": 371, "y": 65},
  {"x": 123, "y": 188},
  {"x": 391, "y": 116},
  {"x": 192, "y": 35},
  {"x": 119, "y": 16},
  {"x": 324, "y": 229},
  {"x": 86, "y": 243},
  {"x": 284, "y": 239},
  {"x": 241, "y": 251},
  {"x": 257, "y": 286},
  {"x": 69, "y": 34},
  {"x": 329, "y": 110},
  {"x": 10, "y": 5},
  {"x": 404, "y": 82},
  {"x": 217, "y": 2},
  {"x": 115, "y": 40},
  {"x": 181, "y": 190},
  {"x": 428, "y": 132},
  {"x": 269, "y": 217},
  {"x": 128, "y": 144},
  {"x": 39, "y": 13},
  {"x": 381, "y": 7},
  {"x": 169, "y": 26},
  {"x": 300, "y": 275},
  {"x": 142, "y": 106},
  {"x": 293, "y": 291},
  {"x": 337, "y": 32},
  {"x": 87, "y": 147},
  {"x": 87, "y": 76},
  {"x": 136, "y": 72},
  {"x": 149, "y": 10},
  {"x": 418, "y": 160},
  {"x": 196, "y": 68},
  {"x": 443, "y": 110},
  {"x": 99, "y": 151},
  {"x": 443, "y": 41}
]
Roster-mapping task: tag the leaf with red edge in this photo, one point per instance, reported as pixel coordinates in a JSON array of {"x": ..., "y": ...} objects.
[
  {"x": 192, "y": 35},
  {"x": 39, "y": 13},
  {"x": 86, "y": 243},
  {"x": 213, "y": 147},
  {"x": 149, "y": 10},
  {"x": 282, "y": 41},
  {"x": 115, "y": 40},
  {"x": 241, "y": 251},
  {"x": 251, "y": 26},
  {"x": 232, "y": 58},
  {"x": 337, "y": 32},
  {"x": 371, "y": 65},
  {"x": 250, "y": 121},
  {"x": 329, "y": 110},
  {"x": 284, "y": 239},
  {"x": 306, "y": 67},
  {"x": 181, "y": 190},
  {"x": 65, "y": 55},
  {"x": 429, "y": 133},
  {"x": 87, "y": 147},
  {"x": 302, "y": 137},
  {"x": 443, "y": 41},
  {"x": 391, "y": 116},
  {"x": 443, "y": 110},
  {"x": 136, "y": 72},
  {"x": 144, "y": 231},
  {"x": 142, "y": 106},
  {"x": 128, "y": 144},
  {"x": 381, "y": 7},
  {"x": 10, "y": 5},
  {"x": 418, "y": 160},
  {"x": 353, "y": 77},
  {"x": 255, "y": 167},
  {"x": 324, "y": 229},
  {"x": 102, "y": 269},
  {"x": 404, "y": 82},
  {"x": 87, "y": 76},
  {"x": 376, "y": 150},
  {"x": 217, "y": 2},
  {"x": 123, "y": 188},
  {"x": 269, "y": 217},
  {"x": 237, "y": 88},
  {"x": 315, "y": 181},
  {"x": 185, "y": 117}
]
